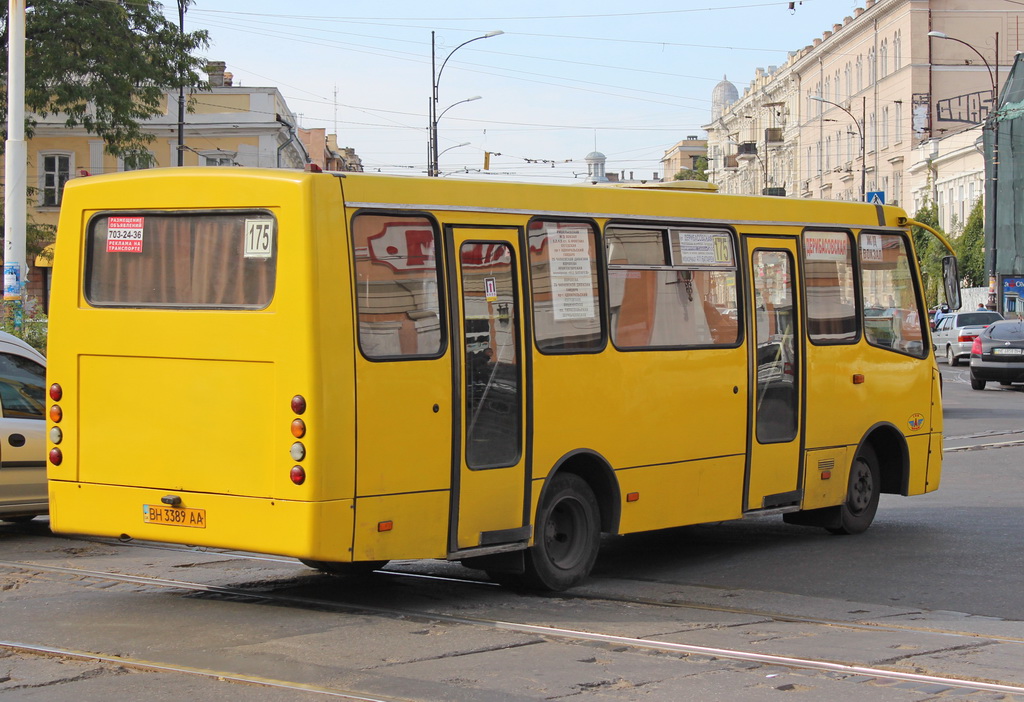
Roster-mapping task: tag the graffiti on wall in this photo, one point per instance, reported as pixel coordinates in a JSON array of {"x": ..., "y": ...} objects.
[{"x": 970, "y": 108}]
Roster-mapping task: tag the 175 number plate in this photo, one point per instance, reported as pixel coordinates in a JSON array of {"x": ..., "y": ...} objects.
[{"x": 174, "y": 516}]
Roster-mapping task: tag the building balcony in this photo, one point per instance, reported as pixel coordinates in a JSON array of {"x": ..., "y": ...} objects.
[
  {"x": 747, "y": 151},
  {"x": 773, "y": 136}
]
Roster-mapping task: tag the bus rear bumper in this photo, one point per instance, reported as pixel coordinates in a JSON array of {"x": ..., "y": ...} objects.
[{"x": 310, "y": 530}]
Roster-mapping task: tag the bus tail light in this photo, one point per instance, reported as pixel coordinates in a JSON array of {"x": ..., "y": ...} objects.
[
  {"x": 298, "y": 404},
  {"x": 56, "y": 456},
  {"x": 56, "y": 414},
  {"x": 298, "y": 428},
  {"x": 297, "y": 475},
  {"x": 56, "y": 392}
]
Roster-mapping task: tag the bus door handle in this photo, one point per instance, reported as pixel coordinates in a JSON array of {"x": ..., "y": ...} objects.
[{"x": 16, "y": 440}]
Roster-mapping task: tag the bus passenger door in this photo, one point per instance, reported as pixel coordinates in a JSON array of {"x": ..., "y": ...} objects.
[
  {"x": 773, "y": 477},
  {"x": 489, "y": 484}
]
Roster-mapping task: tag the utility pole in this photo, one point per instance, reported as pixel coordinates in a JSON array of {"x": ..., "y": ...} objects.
[{"x": 15, "y": 166}]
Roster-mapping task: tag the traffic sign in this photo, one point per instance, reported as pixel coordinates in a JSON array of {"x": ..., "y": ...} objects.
[{"x": 876, "y": 197}]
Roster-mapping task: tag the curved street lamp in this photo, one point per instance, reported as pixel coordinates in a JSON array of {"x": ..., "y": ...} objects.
[
  {"x": 992, "y": 202},
  {"x": 993, "y": 77},
  {"x": 435, "y": 75},
  {"x": 860, "y": 130}
]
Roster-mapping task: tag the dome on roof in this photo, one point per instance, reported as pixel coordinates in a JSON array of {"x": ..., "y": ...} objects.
[
  {"x": 724, "y": 94},
  {"x": 595, "y": 167}
]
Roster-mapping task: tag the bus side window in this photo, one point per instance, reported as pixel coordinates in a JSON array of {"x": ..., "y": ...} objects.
[
  {"x": 564, "y": 284},
  {"x": 396, "y": 280},
  {"x": 887, "y": 281},
  {"x": 828, "y": 284},
  {"x": 671, "y": 287}
]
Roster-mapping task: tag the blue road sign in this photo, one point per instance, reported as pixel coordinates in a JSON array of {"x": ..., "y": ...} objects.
[{"x": 876, "y": 197}]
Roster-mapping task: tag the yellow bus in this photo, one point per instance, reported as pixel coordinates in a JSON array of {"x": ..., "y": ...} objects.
[{"x": 350, "y": 368}]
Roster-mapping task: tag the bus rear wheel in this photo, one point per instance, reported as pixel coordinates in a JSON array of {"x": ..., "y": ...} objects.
[
  {"x": 568, "y": 535},
  {"x": 358, "y": 569},
  {"x": 864, "y": 488}
]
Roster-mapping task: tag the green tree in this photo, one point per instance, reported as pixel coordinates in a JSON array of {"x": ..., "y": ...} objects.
[
  {"x": 105, "y": 65},
  {"x": 969, "y": 248},
  {"x": 929, "y": 252},
  {"x": 698, "y": 172}
]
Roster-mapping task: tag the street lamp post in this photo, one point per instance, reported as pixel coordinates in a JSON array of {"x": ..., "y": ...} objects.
[
  {"x": 992, "y": 76},
  {"x": 435, "y": 75},
  {"x": 990, "y": 223},
  {"x": 860, "y": 130}
]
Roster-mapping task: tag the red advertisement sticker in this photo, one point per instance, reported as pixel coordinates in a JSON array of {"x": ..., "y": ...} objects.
[{"x": 124, "y": 234}]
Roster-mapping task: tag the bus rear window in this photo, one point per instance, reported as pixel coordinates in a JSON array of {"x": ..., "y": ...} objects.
[{"x": 186, "y": 260}]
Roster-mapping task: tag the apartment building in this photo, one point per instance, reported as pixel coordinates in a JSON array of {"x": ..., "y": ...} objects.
[
  {"x": 874, "y": 108},
  {"x": 227, "y": 125}
]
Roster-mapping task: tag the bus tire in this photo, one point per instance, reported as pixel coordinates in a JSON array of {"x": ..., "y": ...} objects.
[
  {"x": 864, "y": 488},
  {"x": 568, "y": 535},
  {"x": 357, "y": 569}
]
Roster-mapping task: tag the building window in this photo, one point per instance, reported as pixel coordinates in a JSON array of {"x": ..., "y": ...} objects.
[
  {"x": 56, "y": 169},
  {"x": 217, "y": 158},
  {"x": 885, "y": 126},
  {"x": 848, "y": 83},
  {"x": 860, "y": 74},
  {"x": 838, "y": 92},
  {"x": 897, "y": 50},
  {"x": 883, "y": 59},
  {"x": 898, "y": 123},
  {"x": 872, "y": 67}
]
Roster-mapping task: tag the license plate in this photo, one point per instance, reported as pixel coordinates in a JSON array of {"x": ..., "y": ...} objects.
[
  {"x": 1007, "y": 352},
  {"x": 174, "y": 516}
]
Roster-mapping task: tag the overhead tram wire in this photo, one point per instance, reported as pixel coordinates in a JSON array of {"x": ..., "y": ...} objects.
[{"x": 511, "y": 75}]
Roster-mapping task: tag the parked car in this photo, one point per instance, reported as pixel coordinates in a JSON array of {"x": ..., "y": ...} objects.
[
  {"x": 998, "y": 354},
  {"x": 22, "y": 431},
  {"x": 955, "y": 334}
]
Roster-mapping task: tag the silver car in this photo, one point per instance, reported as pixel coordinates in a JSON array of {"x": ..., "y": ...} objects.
[
  {"x": 22, "y": 431},
  {"x": 956, "y": 332}
]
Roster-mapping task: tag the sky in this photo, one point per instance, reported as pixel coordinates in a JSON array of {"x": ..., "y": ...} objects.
[{"x": 568, "y": 77}]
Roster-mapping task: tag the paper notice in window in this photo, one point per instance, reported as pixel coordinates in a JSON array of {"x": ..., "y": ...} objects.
[
  {"x": 572, "y": 286},
  {"x": 124, "y": 234}
]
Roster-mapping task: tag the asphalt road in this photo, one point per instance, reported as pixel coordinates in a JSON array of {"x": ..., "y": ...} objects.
[{"x": 932, "y": 588}]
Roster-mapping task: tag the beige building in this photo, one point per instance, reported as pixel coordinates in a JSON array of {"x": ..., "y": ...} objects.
[
  {"x": 874, "y": 105},
  {"x": 228, "y": 126},
  {"x": 683, "y": 156}
]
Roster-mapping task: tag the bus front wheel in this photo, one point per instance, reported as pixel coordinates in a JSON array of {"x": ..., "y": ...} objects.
[
  {"x": 568, "y": 535},
  {"x": 864, "y": 488}
]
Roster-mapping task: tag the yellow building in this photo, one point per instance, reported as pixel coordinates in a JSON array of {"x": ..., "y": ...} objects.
[{"x": 226, "y": 125}]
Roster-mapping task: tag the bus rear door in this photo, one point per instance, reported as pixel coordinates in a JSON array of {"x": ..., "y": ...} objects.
[{"x": 490, "y": 495}]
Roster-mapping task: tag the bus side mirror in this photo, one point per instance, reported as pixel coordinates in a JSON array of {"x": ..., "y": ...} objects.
[{"x": 951, "y": 279}]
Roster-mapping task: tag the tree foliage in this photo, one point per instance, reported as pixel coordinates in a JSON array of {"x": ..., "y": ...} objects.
[
  {"x": 105, "y": 65},
  {"x": 698, "y": 172},
  {"x": 929, "y": 252},
  {"x": 970, "y": 248}
]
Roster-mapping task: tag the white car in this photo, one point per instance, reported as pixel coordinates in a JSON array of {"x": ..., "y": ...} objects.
[
  {"x": 22, "y": 431},
  {"x": 955, "y": 334}
]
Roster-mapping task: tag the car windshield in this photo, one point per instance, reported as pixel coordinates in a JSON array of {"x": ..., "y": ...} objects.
[
  {"x": 1009, "y": 331},
  {"x": 972, "y": 319}
]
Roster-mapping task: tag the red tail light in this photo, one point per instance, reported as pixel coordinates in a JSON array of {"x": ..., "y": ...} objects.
[
  {"x": 976, "y": 347},
  {"x": 56, "y": 456},
  {"x": 56, "y": 392},
  {"x": 966, "y": 337}
]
